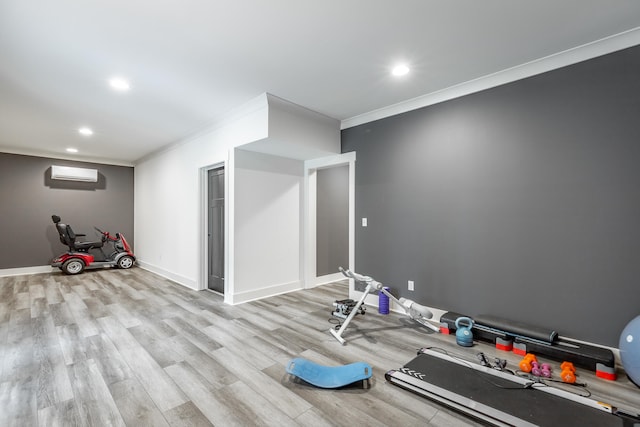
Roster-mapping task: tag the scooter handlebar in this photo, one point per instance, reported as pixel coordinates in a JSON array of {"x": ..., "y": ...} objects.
[{"x": 106, "y": 235}]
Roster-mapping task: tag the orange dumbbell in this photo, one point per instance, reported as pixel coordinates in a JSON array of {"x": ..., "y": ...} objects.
[
  {"x": 568, "y": 374},
  {"x": 525, "y": 363}
]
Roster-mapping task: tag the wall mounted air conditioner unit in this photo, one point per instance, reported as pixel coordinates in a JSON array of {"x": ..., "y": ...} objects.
[{"x": 67, "y": 173}]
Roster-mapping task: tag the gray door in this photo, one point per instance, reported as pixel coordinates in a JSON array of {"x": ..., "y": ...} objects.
[{"x": 215, "y": 229}]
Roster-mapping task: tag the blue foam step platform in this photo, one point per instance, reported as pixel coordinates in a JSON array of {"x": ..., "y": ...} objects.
[{"x": 329, "y": 376}]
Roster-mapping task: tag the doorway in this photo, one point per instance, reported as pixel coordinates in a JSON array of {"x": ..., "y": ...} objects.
[
  {"x": 215, "y": 229},
  {"x": 332, "y": 219}
]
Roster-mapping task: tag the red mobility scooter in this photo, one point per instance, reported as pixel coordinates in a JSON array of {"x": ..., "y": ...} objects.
[{"x": 79, "y": 257}]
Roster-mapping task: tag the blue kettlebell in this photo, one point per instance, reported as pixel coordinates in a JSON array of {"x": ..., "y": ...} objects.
[{"x": 464, "y": 336}]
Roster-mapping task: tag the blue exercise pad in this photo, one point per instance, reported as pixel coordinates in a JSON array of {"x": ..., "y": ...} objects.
[{"x": 329, "y": 376}]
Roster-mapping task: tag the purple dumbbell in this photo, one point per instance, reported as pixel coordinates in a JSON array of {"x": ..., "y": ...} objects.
[{"x": 543, "y": 370}]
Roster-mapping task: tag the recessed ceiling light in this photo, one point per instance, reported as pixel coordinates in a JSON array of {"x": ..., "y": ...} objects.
[
  {"x": 72, "y": 150},
  {"x": 118, "y": 83},
  {"x": 85, "y": 131},
  {"x": 400, "y": 70}
]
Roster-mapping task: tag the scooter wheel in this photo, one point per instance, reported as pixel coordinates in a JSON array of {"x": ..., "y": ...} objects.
[
  {"x": 125, "y": 262},
  {"x": 73, "y": 266}
]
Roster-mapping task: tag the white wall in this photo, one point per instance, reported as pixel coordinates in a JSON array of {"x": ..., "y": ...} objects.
[
  {"x": 268, "y": 225},
  {"x": 168, "y": 194},
  {"x": 298, "y": 127},
  {"x": 298, "y": 133},
  {"x": 265, "y": 207}
]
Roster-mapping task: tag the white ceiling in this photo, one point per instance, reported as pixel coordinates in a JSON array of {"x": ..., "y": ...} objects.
[{"x": 191, "y": 61}]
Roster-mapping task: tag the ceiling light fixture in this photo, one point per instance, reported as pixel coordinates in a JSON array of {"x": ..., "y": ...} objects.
[
  {"x": 400, "y": 70},
  {"x": 119, "y": 84},
  {"x": 72, "y": 150},
  {"x": 85, "y": 131}
]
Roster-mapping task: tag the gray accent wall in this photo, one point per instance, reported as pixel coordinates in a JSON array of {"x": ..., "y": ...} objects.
[
  {"x": 28, "y": 198},
  {"x": 332, "y": 219},
  {"x": 521, "y": 201}
]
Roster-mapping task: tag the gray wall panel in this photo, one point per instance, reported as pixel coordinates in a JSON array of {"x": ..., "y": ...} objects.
[
  {"x": 520, "y": 201},
  {"x": 28, "y": 198}
]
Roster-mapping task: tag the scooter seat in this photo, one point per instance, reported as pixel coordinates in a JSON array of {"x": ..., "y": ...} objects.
[
  {"x": 87, "y": 245},
  {"x": 68, "y": 237}
]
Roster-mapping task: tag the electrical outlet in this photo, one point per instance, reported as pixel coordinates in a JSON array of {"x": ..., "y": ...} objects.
[
  {"x": 364, "y": 222},
  {"x": 410, "y": 285}
]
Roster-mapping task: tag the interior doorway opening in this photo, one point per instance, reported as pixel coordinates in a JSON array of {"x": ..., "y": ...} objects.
[{"x": 330, "y": 218}]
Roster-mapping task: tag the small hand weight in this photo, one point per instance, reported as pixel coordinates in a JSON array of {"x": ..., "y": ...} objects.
[{"x": 525, "y": 364}]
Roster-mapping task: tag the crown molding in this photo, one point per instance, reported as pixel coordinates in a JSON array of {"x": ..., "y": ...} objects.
[
  {"x": 59, "y": 156},
  {"x": 557, "y": 60}
]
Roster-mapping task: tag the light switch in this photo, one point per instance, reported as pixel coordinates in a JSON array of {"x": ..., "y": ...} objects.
[{"x": 364, "y": 222}]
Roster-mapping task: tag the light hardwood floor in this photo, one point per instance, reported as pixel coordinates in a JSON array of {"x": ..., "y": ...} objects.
[{"x": 127, "y": 347}]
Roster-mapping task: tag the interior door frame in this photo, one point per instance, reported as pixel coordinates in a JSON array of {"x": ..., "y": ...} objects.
[
  {"x": 213, "y": 236},
  {"x": 204, "y": 226},
  {"x": 310, "y": 177}
]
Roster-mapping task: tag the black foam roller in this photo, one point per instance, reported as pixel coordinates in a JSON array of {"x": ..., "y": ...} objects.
[{"x": 517, "y": 328}]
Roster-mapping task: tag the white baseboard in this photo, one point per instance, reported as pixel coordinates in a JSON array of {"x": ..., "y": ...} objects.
[
  {"x": 269, "y": 291},
  {"x": 324, "y": 280},
  {"x": 181, "y": 280},
  {"x": 7, "y": 272}
]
